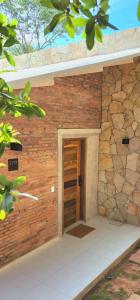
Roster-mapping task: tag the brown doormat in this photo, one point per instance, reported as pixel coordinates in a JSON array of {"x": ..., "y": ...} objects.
[{"x": 80, "y": 231}]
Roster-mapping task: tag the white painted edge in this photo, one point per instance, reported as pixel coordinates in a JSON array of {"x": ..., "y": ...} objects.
[
  {"x": 77, "y": 132},
  {"x": 45, "y": 75}
]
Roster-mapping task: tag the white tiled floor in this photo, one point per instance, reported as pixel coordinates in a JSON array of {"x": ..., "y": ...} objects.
[{"x": 60, "y": 270}]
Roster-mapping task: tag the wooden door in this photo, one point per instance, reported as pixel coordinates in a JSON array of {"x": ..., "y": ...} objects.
[{"x": 71, "y": 176}]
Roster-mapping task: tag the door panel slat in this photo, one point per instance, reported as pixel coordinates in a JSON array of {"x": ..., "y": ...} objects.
[
  {"x": 71, "y": 173},
  {"x": 69, "y": 184}
]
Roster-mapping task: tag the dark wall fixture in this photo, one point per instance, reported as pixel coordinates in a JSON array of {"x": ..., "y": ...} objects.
[
  {"x": 13, "y": 164},
  {"x": 125, "y": 141},
  {"x": 15, "y": 147}
]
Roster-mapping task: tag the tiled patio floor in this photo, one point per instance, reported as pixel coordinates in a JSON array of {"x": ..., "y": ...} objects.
[{"x": 61, "y": 269}]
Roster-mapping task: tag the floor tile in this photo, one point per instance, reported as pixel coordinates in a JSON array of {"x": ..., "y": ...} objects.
[
  {"x": 62, "y": 268},
  {"x": 41, "y": 292}
]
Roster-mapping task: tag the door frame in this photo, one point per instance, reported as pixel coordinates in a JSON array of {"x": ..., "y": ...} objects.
[{"x": 91, "y": 137}]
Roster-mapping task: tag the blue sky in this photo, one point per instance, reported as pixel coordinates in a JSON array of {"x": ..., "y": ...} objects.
[{"x": 123, "y": 14}]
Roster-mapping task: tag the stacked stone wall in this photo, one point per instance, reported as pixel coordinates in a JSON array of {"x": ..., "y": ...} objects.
[{"x": 119, "y": 164}]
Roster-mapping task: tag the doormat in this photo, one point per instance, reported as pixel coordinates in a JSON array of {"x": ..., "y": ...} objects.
[{"x": 80, "y": 231}]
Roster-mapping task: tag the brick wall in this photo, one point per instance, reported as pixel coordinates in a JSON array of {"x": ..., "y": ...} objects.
[
  {"x": 119, "y": 164},
  {"x": 74, "y": 102}
]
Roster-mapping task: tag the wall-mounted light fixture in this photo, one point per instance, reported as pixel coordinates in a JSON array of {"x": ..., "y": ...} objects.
[
  {"x": 125, "y": 141},
  {"x": 15, "y": 147}
]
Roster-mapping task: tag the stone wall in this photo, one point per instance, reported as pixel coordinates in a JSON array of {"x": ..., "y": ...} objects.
[
  {"x": 119, "y": 167},
  {"x": 120, "y": 40}
]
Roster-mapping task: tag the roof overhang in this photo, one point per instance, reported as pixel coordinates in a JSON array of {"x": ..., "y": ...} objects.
[{"x": 44, "y": 76}]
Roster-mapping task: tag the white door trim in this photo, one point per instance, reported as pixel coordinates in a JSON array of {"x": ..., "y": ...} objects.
[{"x": 92, "y": 150}]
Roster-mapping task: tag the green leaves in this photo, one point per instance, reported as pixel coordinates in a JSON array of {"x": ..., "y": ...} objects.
[
  {"x": 138, "y": 10},
  {"x": 4, "y": 181},
  {"x": 47, "y": 3},
  {"x": 7, "y": 203},
  {"x": 8, "y": 37},
  {"x": 56, "y": 19},
  {"x": 90, "y": 33},
  {"x": 55, "y": 4},
  {"x": 14, "y": 105},
  {"x": 104, "y": 5},
  {"x": 60, "y": 5},
  {"x": 10, "y": 42},
  {"x": 18, "y": 181},
  {"x": 3, "y": 19},
  {"x": 7, "y": 196},
  {"x": 27, "y": 89},
  {"x": 86, "y": 12},
  {"x": 18, "y": 105},
  {"x": 13, "y": 24},
  {"x": 7, "y": 136},
  {"x": 98, "y": 33},
  {"x": 2, "y": 165},
  {"x": 2, "y": 148},
  {"x": 79, "y": 22},
  {"x": 2, "y": 214},
  {"x": 9, "y": 57},
  {"x": 90, "y": 15},
  {"x": 69, "y": 27},
  {"x": 111, "y": 26},
  {"x": 90, "y": 3}
]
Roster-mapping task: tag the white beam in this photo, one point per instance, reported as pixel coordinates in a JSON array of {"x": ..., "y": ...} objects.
[{"x": 44, "y": 76}]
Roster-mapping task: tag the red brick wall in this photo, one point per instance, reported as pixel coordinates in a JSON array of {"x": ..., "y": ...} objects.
[{"x": 73, "y": 102}]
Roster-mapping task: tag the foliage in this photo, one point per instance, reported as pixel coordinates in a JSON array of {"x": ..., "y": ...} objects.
[
  {"x": 32, "y": 18},
  {"x": 101, "y": 294},
  {"x": 104, "y": 294},
  {"x": 90, "y": 15},
  {"x": 138, "y": 11},
  {"x": 16, "y": 106},
  {"x": 7, "y": 193},
  {"x": 7, "y": 37},
  {"x": 7, "y": 136}
]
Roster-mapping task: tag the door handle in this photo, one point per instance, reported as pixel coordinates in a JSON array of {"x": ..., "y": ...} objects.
[{"x": 80, "y": 180}]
